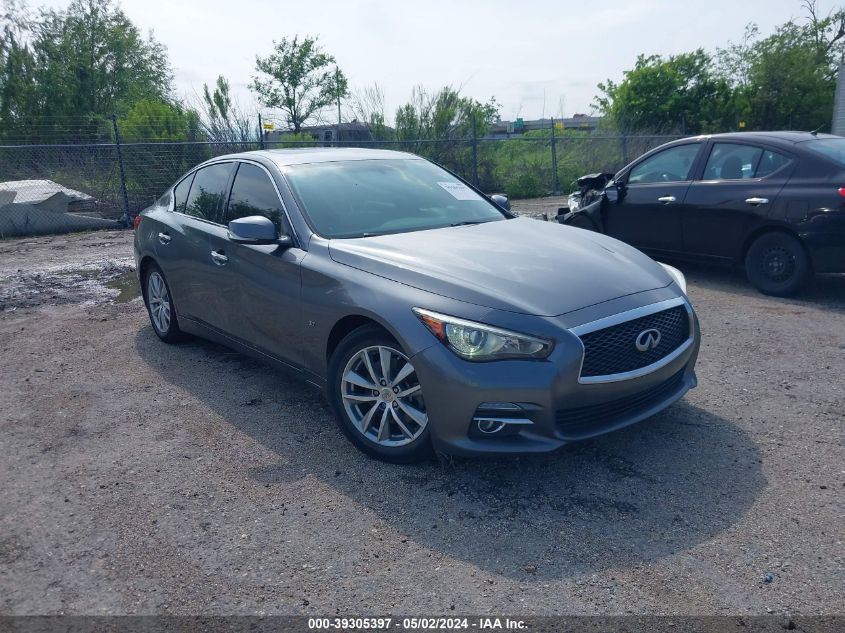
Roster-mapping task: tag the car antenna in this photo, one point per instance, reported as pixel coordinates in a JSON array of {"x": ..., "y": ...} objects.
[{"x": 817, "y": 130}]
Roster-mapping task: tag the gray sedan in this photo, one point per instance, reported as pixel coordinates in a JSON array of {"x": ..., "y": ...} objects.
[{"x": 432, "y": 316}]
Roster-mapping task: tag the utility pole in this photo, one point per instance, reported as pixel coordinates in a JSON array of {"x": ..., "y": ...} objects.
[{"x": 337, "y": 88}]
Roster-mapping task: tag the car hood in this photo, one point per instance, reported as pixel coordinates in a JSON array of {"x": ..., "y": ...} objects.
[{"x": 520, "y": 265}]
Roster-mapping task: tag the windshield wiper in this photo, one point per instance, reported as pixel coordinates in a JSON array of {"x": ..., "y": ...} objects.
[{"x": 469, "y": 222}]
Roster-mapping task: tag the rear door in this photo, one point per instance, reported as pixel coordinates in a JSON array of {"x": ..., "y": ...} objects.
[
  {"x": 265, "y": 310},
  {"x": 192, "y": 272},
  {"x": 649, "y": 211},
  {"x": 739, "y": 186}
]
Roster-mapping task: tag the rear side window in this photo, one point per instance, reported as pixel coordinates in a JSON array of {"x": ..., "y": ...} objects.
[
  {"x": 670, "y": 165},
  {"x": 770, "y": 162},
  {"x": 832, "y": 148},
  {"x": 253, "y": 194},
  {"x": 731, "y": 161},
  {"x": 180, "y": 194},
  {"x": 207, "y": 191}
]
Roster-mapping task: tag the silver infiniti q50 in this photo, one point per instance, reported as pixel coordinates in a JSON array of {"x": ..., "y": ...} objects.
[{"x": 432, "y": 316}]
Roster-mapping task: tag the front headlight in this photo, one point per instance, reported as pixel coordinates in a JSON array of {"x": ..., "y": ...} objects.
[
  {"x": 476, "y": 341},
  {"x": 677, "y": 275}
]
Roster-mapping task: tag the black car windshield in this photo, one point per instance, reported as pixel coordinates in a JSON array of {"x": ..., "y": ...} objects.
[
  {"x": 358, "y": 198},
  {"x": 833, "y": 148}
]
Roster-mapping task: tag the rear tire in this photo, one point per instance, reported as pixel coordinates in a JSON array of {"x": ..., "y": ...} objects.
[
  {"x": 777, "y": 264},
  {"x": 368, "y": 375},
  {"x": 160, "y": 308}
]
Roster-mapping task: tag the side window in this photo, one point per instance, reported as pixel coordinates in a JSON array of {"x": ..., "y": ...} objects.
[
  {"x": 771, "y": 162},
  {"x": 730, "y": 161},
  {"x": 253, "y": 194},
  {"x": 207, "y": 192},
  {"x": 180, "y": 194},
  {"x": 670, "y": 165}
]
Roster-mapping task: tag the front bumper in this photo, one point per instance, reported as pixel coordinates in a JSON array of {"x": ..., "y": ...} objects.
[{"x": 561, "y": 409}]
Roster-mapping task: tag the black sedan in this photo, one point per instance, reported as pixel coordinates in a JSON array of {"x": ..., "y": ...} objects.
[{"x": 771, "y": 201}]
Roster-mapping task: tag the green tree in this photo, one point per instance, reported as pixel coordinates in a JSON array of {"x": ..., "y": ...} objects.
[
  {"x": 680, "y": 93},
  {"x": 301, "y": 80},
  {"x": 94, "y": 60},
  {"x": 151, "y": 120},
  {"x": 788, "y": 79},
  {"x": 82, "y": 63}
]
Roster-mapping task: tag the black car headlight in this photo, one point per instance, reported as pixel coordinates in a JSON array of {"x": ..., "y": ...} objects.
[{"x": 480, "y": 342}]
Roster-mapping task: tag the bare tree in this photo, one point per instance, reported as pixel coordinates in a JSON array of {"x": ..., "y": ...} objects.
[{"x": 222, "y": 117}]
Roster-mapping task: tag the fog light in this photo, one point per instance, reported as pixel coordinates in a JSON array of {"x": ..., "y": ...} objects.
[
  {"x": 495, "y": 419},
  {"x": 489, "y": 426}
]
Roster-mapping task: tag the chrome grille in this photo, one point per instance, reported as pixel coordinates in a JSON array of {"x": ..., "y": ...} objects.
[{"x": 613, "y": 350}]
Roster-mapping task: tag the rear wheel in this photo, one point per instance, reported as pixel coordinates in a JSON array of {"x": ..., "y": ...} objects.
[
  {"x": 160, "y": 305},
  {"x": 377, "y": 398},
  {"x": 777, "y": 264}
]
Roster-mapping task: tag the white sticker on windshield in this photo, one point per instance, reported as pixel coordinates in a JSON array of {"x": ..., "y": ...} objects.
[{"x": 459, "y": 190}]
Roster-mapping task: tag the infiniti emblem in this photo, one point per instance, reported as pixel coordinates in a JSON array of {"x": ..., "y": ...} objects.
[{"x": 647, "y": 340}]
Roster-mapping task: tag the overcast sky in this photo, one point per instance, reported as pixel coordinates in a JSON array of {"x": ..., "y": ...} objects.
[{"x": 536, "y": 57}]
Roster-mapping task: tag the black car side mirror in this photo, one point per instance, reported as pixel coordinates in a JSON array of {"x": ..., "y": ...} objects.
[
  {"x": 256, "y": 229},
  {"x": 615, "y": 191},
  {"x": 501, "y": 201}
]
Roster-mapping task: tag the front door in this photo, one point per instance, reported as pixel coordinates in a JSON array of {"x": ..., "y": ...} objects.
[
  {"x": 265, "y": 309},
  {"x": 648, "y": 211}
]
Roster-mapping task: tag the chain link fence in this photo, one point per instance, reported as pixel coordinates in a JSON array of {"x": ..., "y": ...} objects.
[{"x": 77, "y": 185}]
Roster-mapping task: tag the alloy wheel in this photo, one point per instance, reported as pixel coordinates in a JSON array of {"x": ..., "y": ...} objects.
[
  {"x": 158, "y": 299},
  {"x": 383, "y": 397}
]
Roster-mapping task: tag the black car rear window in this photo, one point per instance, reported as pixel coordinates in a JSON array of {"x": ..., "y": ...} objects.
[{"x": 832, "y": 148}]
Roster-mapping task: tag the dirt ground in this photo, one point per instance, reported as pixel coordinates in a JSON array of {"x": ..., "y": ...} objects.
[{"x": 144, "y": 478}]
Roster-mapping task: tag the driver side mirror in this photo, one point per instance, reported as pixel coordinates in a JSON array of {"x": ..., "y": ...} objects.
[
  {"x": 615, "y": 191},
  {"x": 258, "y": 230},
  {"x": 501, "y": 201}
]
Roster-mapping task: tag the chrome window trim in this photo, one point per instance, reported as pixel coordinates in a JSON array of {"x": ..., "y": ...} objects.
[
  {"x": 229, "y": 192},
  {"x": 630, "y": 315}
]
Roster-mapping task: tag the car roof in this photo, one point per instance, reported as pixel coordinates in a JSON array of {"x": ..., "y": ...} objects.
[
  {"x": 285, "y": 157},
  {"x": 779, "y": 137}
]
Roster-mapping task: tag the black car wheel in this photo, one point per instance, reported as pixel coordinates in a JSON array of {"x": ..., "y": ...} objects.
[
  {"x": 377, "y": 398},
  {"x": 776, "y": 264},
  {"x": 160, "y": 305}
]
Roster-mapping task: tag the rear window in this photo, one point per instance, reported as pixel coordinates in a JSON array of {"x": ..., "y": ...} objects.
[
  {"x": 206, "y": 196},
  {"x": 832, "y": 148}
]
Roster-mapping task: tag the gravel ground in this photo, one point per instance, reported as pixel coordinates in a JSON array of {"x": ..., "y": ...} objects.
[{"x": 144, "y": 478}]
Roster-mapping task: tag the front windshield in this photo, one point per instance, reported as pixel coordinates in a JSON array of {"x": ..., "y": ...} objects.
[
  {"x": 358, "y": 198},
  {"x": 833, "y": 148}
]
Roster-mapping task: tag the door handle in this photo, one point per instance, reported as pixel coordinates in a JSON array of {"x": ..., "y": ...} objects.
[
  {"x": 164, "y": 238},
  {"x": 219, "y": 258},
  {"x": 666, "y": 199},
  {"x": 756, "y": 201}
]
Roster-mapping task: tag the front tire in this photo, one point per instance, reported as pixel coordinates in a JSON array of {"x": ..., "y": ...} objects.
[
  {"x": 777, "y": 264},
  {"x": 377, "y": 398},
  {"x": 160, "y": 305}
]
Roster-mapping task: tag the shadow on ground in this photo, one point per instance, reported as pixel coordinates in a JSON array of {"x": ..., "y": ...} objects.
[
  {"x": 637, "y": 495},
  {"x": 824, "y": 291}
]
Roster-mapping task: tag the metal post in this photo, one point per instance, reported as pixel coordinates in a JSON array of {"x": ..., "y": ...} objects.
[
  {"x": 624, "y": 140},
  {"x": 474, "y": 149},
  {"x": 555, "y": 179},
  {"x": 127, "y": 219},
  {"x": 260, "y": 131}
]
